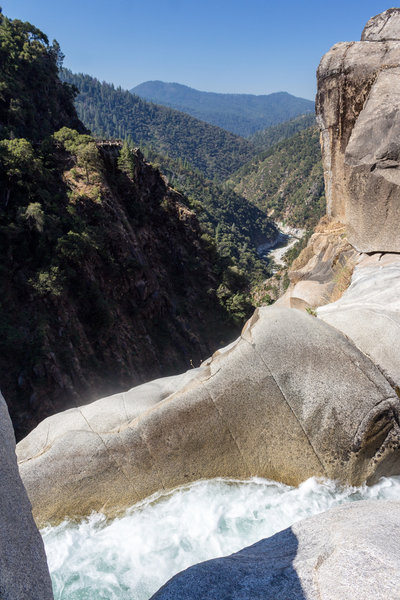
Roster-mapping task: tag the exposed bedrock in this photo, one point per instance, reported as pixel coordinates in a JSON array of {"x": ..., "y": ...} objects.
[
  {"x": 23, "y": 568},
  {"x": 322, "y": 271},
  {"x": 347, "y": 553},
  {"x": 359, "y": 294},
  {"x": 358, "y": 110},
  {"x": 369, "y": 312},
  {"x": 291, "y": 398}
]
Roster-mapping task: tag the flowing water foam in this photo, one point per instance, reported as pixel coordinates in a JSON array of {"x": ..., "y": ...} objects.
[{"x": 132, "y": 556}]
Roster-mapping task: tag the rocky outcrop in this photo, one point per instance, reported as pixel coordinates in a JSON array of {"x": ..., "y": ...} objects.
[
  {"x": 322, "y": 271},
  {"x": 369, "y": 311},
  {"x": 346, "y": 553},
  {"x": 291, "y": 398},
  {"x": 23, "y": 569},
  {"x": 384, "y": 27},
  {"x": 358, "y": 113}
]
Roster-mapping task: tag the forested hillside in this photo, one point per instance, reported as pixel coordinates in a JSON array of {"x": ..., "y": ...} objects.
[
  {"x": 286, "y": 180},
  {"x": 272, "y": 135},
  {"x": 115, "y": 113},
  {"x": 242, "y": 114},
  {"x": 33, "y": 101},
  {"x": 236, "y": 225}
]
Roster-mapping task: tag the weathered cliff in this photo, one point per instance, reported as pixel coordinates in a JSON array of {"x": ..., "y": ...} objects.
[
  {"x": 358, "y": 113},
  {"x": 357, "y": 109}
]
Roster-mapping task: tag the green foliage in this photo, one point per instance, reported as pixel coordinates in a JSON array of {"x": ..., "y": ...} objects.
[
  {"x": 232, "y": 224},
  {"x": 33, "y": 101},
  {"x": 295, "y": 250},
  {"x": 272, "y": 135},
  {"x": 18, "y": 167},
  {"x": 20, "y": 170},
  {"x": 34, "y": 216},
  {"x": 115, "y": 113},
  {"x": 286, "y": 180},
  {"x": 126, "y": 161},
  {"x": 48, "y": 282},
  {"x": 17, "y": 157},
  {"x": 83, "y": 147},
  {"x": 239, "y": 306},
  {"x": 75, "y": 247}
]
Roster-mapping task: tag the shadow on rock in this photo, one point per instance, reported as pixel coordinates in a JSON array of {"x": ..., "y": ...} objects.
[{"x": 264, "y": 571}]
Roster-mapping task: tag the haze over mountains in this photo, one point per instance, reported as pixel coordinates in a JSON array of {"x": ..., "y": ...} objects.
[{"x": 242, "y": 114}]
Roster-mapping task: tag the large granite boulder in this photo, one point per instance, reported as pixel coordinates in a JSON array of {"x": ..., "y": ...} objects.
[
  {"x": 369, "y": 312},
  {"x": 358, "y": 110},
  {"x": 291, "y": 398},
  {"x": 23, "y": 568},
  {"x": 347, "y": 553}
]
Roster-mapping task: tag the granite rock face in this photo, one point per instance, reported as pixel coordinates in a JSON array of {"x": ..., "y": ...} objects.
[
  {"x": 369, "y": 311},
  {"x": 383, "y": 28},
  {"x": 291, "y": 398},
  {"x": 346, "y": 553},
  {"x": 321, "y": 272},
  {"x": 23, "y": 568},
  {"x": 358, "y": 111}
]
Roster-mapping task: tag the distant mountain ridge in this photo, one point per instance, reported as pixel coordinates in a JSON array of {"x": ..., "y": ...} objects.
[{"x": 242, "y": 114}]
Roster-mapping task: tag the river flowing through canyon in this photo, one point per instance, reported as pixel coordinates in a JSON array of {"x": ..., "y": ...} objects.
[
  {"x": 132, "y": 556},
  {"x": 286, "y": 238}
]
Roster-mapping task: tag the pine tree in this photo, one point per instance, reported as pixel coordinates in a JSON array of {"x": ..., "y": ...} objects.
[{"x": 126, "y": 160}]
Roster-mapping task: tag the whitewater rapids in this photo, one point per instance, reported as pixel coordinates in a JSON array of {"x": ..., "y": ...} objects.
[{"x": 133, "y": 556}]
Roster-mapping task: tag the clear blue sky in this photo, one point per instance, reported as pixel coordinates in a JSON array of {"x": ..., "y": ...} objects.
[{"x": 247, "y": 46}]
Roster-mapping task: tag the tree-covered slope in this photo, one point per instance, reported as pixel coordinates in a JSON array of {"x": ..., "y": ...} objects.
[
  {"x": 272, "y": 135},
  {"x": 106, "y": 281},
  {"x": 242, "y": 114},
  {"x": 236, "y": 225},
  {"x": 116, "y": 113},
  {"x": 33, "y": 101},
  {"x": 286, "y": 180}
]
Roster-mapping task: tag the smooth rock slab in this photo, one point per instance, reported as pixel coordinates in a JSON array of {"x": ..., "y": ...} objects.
[
  {"x": 292, "y": 398},
  {"x": 369, "y": 312},
  {"x": 347, "y": 553},
  {"x": 24, "y": 574}
]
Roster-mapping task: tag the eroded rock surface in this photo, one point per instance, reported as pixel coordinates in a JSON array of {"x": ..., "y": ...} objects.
[
  {"x": 346, "y": 553},
  {"x": 292, "y": 398},
  {"x": 23, "y": 568},
  {"x": 321, "y": 273},
  {"x": 358, "y": 110},
  {"x": 384, "y": 27},
  {"x": 369, "y": 311}
]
